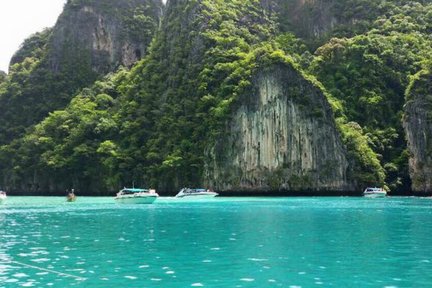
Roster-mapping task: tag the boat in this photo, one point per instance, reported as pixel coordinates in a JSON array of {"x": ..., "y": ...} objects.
[
  {"x": 3, "y": 197},
  {"x": 374, "y": 192},
  {"x": 197, "y": 193},
  {"x": 136, "y": 196}
]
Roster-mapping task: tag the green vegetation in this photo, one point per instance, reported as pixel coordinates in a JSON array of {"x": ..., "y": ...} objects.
[
  {"x": 368, "y": 74},
  {"x": 152, "y": 124}
]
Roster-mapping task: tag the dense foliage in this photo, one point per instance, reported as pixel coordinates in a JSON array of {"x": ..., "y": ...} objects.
[{"x": 151, "y": 125}]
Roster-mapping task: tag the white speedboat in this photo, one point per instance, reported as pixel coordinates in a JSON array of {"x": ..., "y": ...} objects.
[
  {"x": 195, "y": 193},
  {"x": 3, "y": 197},
  {"x": 136, "y": 196},
  {"x": 374, "y": 192}
]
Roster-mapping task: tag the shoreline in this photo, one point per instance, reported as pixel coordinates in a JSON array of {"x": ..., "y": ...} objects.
[{"x": 239, "y": 194}]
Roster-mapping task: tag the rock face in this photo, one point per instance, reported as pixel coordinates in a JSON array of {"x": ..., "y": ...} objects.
[
  {"x": 307, "y": 18},
  {"x": 281, "y": 136},
  {"x": 418, "y": 128},
  {"x": 90, "y": 39},
  {"x": 319, "y": 20},
  {"x": 104, "y": 33}
]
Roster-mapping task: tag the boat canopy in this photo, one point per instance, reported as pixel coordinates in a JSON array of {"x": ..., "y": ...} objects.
[
  {"x": 133, "y": 190},
  {"x": 370, "y": 189},
  {"x": 195, "y": 190}
]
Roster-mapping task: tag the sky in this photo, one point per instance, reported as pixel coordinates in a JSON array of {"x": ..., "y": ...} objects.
[{"x": 22, "y": 18}]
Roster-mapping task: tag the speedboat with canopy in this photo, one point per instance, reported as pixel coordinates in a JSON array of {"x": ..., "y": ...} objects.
[
  {"x": 136, "y": 196},
  {"x": 374, "y": 192},
  {"x": 196, "y": 193}
]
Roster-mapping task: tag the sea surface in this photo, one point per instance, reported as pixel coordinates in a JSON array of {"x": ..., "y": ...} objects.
[{"x": 221, "y": 242}]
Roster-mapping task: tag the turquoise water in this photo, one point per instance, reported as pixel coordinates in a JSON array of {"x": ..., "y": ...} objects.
[{"x": 222, "y": 242}]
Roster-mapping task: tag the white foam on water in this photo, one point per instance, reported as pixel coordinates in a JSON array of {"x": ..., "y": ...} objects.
[
  {"x": 169, "y": 272},
  {"x": 144, "y": 266},
  {"x": 197, "y": 285},
  {"x": 28, "y": 284},
  {"x": 257, "y": 259},
  {"x": 130, "y": 277},
  {"x": 156, "y": 279},
  {"x": 20, "y": 275},
  {"x": 247, "y": 279},
  {"x": 215, "y": 248},
  {"x": 207, "y": 261},
  {"x": 41, "y": 260}
]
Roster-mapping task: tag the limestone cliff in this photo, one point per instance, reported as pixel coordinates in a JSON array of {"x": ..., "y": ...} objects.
[
  {"x": 281, "y": 136},
  {"x": 307, "y": 18},
  {"x": 105, "y": 33},
  {"x": 91, "y": 38},
  {"x": 418, "y": 128},
  {"x": 318, "y": 20}
]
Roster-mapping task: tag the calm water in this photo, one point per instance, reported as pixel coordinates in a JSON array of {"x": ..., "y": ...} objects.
[{"x": 225, "y": 242}]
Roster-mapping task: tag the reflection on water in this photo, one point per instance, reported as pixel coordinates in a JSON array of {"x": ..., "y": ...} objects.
[{"x": 221, "y": 242}]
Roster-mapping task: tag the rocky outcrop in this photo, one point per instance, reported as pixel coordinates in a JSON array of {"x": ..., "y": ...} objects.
[
  {"x": 418, "y": 128},
  {"x": 106, "y": 34},
  {"x": 90, "y": 39},
  {"x": 281, "y": 136},
  {"x": 307, "y": 18},
  {"x": 318, "y": 20}
]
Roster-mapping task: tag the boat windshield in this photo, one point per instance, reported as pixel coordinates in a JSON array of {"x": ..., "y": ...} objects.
[{"x": 133, "y": 190}]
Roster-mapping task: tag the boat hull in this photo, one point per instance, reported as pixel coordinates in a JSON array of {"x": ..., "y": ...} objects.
[
  {"x": 136, "y": 199},
  {"x": 204, "y": 195},
  {"x": 375, "y": 195}
]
